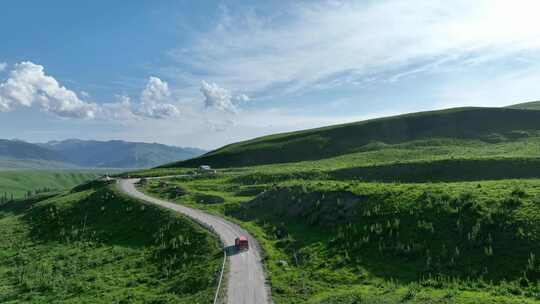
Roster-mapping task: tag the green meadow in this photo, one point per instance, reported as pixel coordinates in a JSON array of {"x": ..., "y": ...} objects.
[
  {"x": 94, "y": 245},
  {"x": 19, "y": 183},
  {"x": 459, "y": 242},
  {"x": 434, "y": 207}
]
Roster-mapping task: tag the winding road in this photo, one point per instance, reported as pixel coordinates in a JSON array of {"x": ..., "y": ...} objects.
[{"x": 246, "y": 280}]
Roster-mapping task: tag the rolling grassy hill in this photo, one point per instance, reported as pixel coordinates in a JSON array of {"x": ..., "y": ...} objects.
[
  {"x": 484, "y": 125},
  {"x": 330, "y": 241},
  {"x": 34, "y": 164},
  {"x": 93, "y": 245},
  {"x": 431, "y": 207},
  {"x": 18, "y": 183},
  {"x": 532, "y": 105}
]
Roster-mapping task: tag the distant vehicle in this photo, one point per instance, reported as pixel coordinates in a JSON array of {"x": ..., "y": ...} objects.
[
  {"x": 241, "y": 243},
  {"x": 206, "y": 169},
  {"x": 105, "y": 178}
]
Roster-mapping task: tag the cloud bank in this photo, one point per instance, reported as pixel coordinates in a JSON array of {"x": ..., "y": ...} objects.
[{"x": 29, "y": 86}]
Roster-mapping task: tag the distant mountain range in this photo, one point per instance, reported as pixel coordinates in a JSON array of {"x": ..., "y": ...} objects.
[{"x": 75, "y": 153}]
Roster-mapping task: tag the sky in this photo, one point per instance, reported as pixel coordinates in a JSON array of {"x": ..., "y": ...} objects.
[{"x": 208, "y": 73}]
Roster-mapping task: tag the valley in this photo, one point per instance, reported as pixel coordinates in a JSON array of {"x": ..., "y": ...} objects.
[
  {"x": 447, "y": 216},
  {"x": 270, "y": 152}
]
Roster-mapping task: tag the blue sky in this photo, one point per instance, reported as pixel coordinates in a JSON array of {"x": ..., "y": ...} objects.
[{"x": 207, "y": 73}]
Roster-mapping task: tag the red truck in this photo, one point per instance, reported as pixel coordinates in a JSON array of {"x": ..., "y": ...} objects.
[{"x": 241, "y": 243}]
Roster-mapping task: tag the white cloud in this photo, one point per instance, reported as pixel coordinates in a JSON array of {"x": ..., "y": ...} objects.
[
  {"x": 121, "y": 111},
  {"x": 217, "y": 97},
  {"x": 242, "y": 98},
  {"x": 156, "y": 90},
  {"x": 311, "y": 42},
  {"x": 214, "y": 131},
  {"x": 85, "y": 94},
  {"x": 28, "y": 86},
  {"x": 3, "y": 66},
  {"x": 155, "y": 100}
]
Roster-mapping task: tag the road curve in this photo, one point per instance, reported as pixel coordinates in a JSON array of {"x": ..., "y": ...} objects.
[{"x": 246, "y": 281}]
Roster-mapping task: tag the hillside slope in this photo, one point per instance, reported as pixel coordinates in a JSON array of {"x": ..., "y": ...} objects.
[
  {"x": 11, "y": 164},
  {"x": 95, "y": 246},
  {"x": 482, "y": 124},
  {"x": 533, "y": 105},
  {"x": 18, "y": 183},
  {"x": 329, "y": 241}
]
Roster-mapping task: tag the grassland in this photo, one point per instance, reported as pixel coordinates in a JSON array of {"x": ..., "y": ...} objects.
[
  {"x": 465, "y": 125},
  {"x": 532, "y": 105},
  {"x": 34, "y": 164},
  {"x": 333, "y": 241},
  {"x": 434, "y": 207},
  {"x": 93, "y": 245},
  {"x": 428, "y": 220},
  {"x": 20, "y": 182}
]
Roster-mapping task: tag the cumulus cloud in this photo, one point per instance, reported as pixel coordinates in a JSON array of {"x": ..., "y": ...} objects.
[
  {"x": 29, "y": 86},
  {"x": 122, "y": 110},
  {"x": 217, "y": 97},
  {"x": 3, "y": 66},
  {"x": 155, "y": 90},
  {"x": 155, "y": 100}
]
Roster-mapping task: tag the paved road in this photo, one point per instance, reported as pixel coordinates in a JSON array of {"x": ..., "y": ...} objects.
[{"x": 246, "y": 281}]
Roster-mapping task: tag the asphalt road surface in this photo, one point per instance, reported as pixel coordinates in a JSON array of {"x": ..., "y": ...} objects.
[{"x": 246, "y": 280}]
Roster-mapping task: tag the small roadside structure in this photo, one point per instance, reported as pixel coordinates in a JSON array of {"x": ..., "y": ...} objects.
[{"x": 206, "y": 169}]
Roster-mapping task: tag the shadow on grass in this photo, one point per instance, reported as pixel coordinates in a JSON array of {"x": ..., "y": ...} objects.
[
  {"x": 104, "y": 216},
  {"x": 405, "y": 240},
  {"x": 20, "y": 206},
  {"x": 444, "y": 171}
]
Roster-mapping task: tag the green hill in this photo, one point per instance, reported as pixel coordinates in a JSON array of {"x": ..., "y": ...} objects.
[
  {"x": 343, "y": 241},
  {"x": 34, "y": 164},
  {"x": 97, "y": 246},
  {"x": 484, "y": 125},
  {"x": 533, "y": 105},
  {"x": 18, "y": 183},
  {"x": 431, "y": 207}
]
